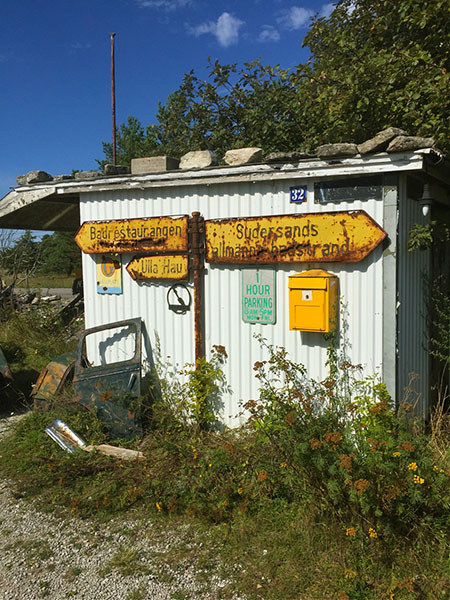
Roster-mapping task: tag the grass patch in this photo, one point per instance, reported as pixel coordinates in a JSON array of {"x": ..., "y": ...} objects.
[
  {"x": 128, "y": 561},
  {"x": 30, "y": 340},
  {"x": 42, "y": 282}
]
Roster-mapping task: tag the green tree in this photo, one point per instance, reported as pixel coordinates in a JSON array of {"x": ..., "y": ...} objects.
[
  {"x": 59, "y": 254},
  {"x": 250, "y": 106},
  {"x": 132, "y": 141},
  {"x": 377, "y": 63}
]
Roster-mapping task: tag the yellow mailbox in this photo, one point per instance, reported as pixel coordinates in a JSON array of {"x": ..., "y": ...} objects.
[{"x": 313, "y": 301}]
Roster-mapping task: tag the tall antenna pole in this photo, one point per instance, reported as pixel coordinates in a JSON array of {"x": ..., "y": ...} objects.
[{"x": 113, "y": 99}]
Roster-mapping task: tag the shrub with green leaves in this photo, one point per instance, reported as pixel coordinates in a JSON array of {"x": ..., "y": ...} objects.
[{"x": 369, "y": 465}]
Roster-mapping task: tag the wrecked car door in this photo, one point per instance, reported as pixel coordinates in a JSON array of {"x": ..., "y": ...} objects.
[{"x": 107, "y": 376}]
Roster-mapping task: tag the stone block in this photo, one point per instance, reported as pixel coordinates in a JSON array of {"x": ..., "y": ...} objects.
[
  {"x": 153, "y": 164},
  {"x": 86, "y": 174},
  {"x": 406, "y": 143},
  {"x": 116, "y": 170},
  {"x": 64, "y": 177},
  {"x": 243, "y": 156},
  {"x": 33, "y": 177},
  {"x": 287, "y": 157},
  {"x": 380, "y": 142},
  {"x": 335, "y": 150},
  {"x": 198, "y": 159}
]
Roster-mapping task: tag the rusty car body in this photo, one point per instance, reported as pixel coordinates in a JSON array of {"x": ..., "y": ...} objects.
[{"x": 110, "y": 387}]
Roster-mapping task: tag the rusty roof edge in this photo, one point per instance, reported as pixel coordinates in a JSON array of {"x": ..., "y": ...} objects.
[{"x": 304, "y": 169}]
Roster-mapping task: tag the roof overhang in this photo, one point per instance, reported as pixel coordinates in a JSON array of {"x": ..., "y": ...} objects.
[{"x": 54, "y": 206}]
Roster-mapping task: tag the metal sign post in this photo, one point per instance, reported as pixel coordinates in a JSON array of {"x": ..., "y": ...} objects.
[{"x": 196, "y": 229}]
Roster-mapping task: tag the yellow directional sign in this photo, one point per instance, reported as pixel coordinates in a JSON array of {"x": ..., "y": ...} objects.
[
  {"x": 159, "y": 267},
  {"x": 315, "y": 237},
  {"x": 153, "y": 234}
]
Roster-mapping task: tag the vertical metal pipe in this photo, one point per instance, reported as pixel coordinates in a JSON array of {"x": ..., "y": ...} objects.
[
  {"x": 113, "y": 99},
  {"x": 197, "y": 250}
]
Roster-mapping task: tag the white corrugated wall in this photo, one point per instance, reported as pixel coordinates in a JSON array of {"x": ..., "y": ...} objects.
[{"x": 360, "y": 286}]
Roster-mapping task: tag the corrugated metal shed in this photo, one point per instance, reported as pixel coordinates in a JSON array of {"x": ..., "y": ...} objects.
[
  {"x": 360, "y": 285},
  {"x": 382, "y": 317}
]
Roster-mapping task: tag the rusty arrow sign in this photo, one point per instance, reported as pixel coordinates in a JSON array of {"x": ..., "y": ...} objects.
[
  {"x": 315, "y": 237},
  {"x": 161, "y": 266},
  {"x": 153, "y": 234}
]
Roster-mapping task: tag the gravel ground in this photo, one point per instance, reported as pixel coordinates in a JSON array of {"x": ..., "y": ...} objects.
[{"x": 43, "y": 555}]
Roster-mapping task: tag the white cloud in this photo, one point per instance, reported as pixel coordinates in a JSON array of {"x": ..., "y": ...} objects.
[
  {"x": 225, "y": 29},
  {"x": 269, "y": 34},
  {"x": 298, "y": 17},
  {"x": 164, "y": 4},
  {"x": 295, "y": 17}
]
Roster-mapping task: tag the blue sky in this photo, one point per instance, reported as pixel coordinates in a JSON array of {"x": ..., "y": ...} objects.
[{"x": 55, "y": 101}]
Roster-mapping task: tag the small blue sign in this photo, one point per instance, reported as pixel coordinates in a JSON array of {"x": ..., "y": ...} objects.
[{"x": 298, "y": 194}]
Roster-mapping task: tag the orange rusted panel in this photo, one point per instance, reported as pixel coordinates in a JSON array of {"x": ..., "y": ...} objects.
[
  {"x": 315, "y": 237},
  {"x": 159, "y": 267},
  {"x": 153, "y": 234}
]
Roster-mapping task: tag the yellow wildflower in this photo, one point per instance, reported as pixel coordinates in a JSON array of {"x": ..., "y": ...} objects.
[
  {"x": 194, "y": 453},
  {"x": 240, "y": 490},
  {"x": 412, "y": 466},
  {"x": 283, "y": 465},
  {"x": 397, "y": 454},
  {"x": 159, "y": 506},
  {"x": 418, "y": 479},
  {"x": 435, "y": 468},
  {"x": 350, "y": 531},
  {"x": 372, "y": 533}
]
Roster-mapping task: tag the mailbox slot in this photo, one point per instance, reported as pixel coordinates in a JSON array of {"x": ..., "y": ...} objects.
[{"x": 313, "y": 301}]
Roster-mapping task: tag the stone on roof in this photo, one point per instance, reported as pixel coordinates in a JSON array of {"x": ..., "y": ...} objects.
[
  {"x": 153, "y": 164},
  {"x": 380, "y": 142},
  {"x": 86, "y": 174},
  {"x": 243, "y": 156},
  {"x": 405, "y": 143},
  {"x": 280, "y": 157},
  {"x": 33, "y": 177},
  {"x": 335, "y": 150},
  {"x": 198, "y": 159},
  {"x": 116, "y": 170}
]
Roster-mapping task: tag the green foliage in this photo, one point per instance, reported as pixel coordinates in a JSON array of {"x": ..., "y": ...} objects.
[
  {"x": 376, "y": 63},
  {"x": 422, "y": 237},
  {"x": 132, "y": 141},
  {"x": 31, "y": 339},
  {"x": 59, "y": 254},
  {"x": 192, "y": 396},
  {"x": 439, "y": 305},
  {"x": 365, "y": 463},
  {"x": 24, "y": 258}
]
